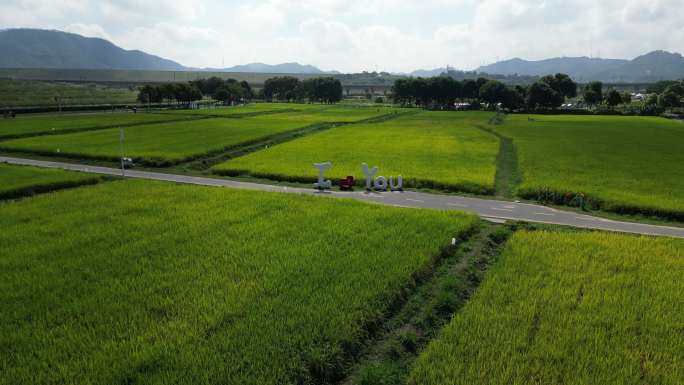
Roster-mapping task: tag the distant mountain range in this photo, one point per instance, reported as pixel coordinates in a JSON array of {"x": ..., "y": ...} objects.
[
  {"x": 284, "y": 68},
  {"x": 427, "y": 73},
  {"x": 657, "y": 65},
  {"x": 36, "y": 48}
]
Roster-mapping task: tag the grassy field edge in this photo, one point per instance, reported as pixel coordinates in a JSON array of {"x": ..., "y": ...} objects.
[
  {"x": 334, "y": 365},
  {"x": 587, "y": 201},
  {"x": 183, "y": 118},
  {"x": 388, "y": 359},
  {"x": 29, "y": 191}
]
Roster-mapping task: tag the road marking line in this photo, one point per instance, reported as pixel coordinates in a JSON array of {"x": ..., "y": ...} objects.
[
  {"x": 500, "y": 209},
  {"x": 547, "y": 214},
  {"x": 495, "y": 220},
  {"x": 509, "y": 207},
  {"x": 415, "y": 200},
  {"x": 457, "y": 204},
  {"x": 586, "y": 218}
]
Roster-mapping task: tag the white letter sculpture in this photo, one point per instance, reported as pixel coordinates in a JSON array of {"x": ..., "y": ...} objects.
[
  {"x": 322, "y": 183},
  {"x": 380, "y": 183},
  {"x": 369, "y": 174},
  {"x": 398, "y": 186}
]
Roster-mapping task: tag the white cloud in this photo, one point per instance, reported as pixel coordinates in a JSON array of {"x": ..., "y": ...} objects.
[
  {"x": 352, "y": 35},
  {"x": 192, "y": 46},
  {"x": 141, "y": 10},
  {"x": 327, "y": 36},
  {"x": 40, "y": 13}
]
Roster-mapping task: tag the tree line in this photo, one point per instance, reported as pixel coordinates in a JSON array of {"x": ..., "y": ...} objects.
[
  {"x": 315, "y": 90},
  {"x": 169, "y": 93},
  {"x": 549, "y": 92},
  {"x": 283, "y": 88},
  {"x": 444, "y": 92},
  {"x": 666, "y": 94},
  {"x": 228, "y": 90}
]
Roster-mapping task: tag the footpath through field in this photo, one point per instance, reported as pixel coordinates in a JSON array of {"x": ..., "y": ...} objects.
[{"x": 487, "y": 208}]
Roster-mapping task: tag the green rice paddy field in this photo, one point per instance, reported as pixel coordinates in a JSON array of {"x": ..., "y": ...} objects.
[
  {"x": 435, "y": 149},
  {"x": 627, "y": 164},
  {"x": 251, "y": 108},
  {"x": 23, "y": 93},
  {"x": 568, "y": 308},
  {"x": 156, "y": 283},
  {"x": 18, "y": 181},
  {"x": 26, "y": 125},
  {"x": 307, "y": 112},
  {"x": 174, "y": 142}
]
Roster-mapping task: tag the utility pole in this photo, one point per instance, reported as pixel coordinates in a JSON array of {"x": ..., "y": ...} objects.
[
  {"x": 121, "y": 145},
  {"x": 58, "y": 99}
]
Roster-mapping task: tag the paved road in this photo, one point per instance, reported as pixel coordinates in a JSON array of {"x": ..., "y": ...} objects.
[{"x": 490, "y": 209}]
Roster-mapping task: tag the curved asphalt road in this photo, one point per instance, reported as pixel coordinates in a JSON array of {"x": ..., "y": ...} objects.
[{"x": 493, "y": 210}]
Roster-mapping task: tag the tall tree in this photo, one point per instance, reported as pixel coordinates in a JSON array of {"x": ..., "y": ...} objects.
[
  {"x": 493, "y": 92},
  {"x": 562, "y": 84},
  {"x": 613, "y": 98},
  {"x": 593, "y": 93},
  {"x": 471, "y": 89},
  {"x": 284, "y": 88},
  {"x": 541, "y": 95}
]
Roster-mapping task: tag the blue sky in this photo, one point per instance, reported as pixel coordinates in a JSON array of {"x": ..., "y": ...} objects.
[{"x": 355, "y": 35}]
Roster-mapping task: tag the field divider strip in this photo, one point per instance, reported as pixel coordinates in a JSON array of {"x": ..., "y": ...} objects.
[
  {"x": 234, "y": 116},
  {"x": 29, "y": 191},
  {"x": 507, "y": 176},
  {"x": 452, "y": 280},
  {"x": 184, "y": 118}
]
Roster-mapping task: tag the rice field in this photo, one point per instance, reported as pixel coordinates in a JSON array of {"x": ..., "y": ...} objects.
[
  {"x": 150, "y": 282},
  {"x": 19, "y": 181},
  {"x": 165, "y": 144},
  {"x": 568, "y": 308},
  {"x": 624, "y": 164},
  {"x": 22, "y": 93},
  {"x": 429, "y": 149},
  {"x": 252, "y": 108},
  {"x": 27, "y": 125}
]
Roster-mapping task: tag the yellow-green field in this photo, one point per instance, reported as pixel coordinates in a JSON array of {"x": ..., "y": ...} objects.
[
  {"x": 156, "y": 283},
  {"x": 27, "y": 125},
  {"x": 432, "y": 149},
  {"x": 20, "y": 181},
  {"x": 170, "y": 143},
  {"x": 625, "y": 164},
  {"x": 568, "y": 308},
  {"x": 251, "y": 108}
]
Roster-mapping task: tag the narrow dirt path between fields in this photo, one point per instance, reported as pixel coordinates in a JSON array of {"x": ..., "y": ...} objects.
[
  {"x": 388, "y": 358},
  {"x": 508, "y": 175}
]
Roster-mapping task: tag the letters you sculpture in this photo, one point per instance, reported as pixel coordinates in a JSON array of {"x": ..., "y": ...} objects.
[
  {"x": 372, "y": 183},
  {"x": 380, "y": 183}
]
